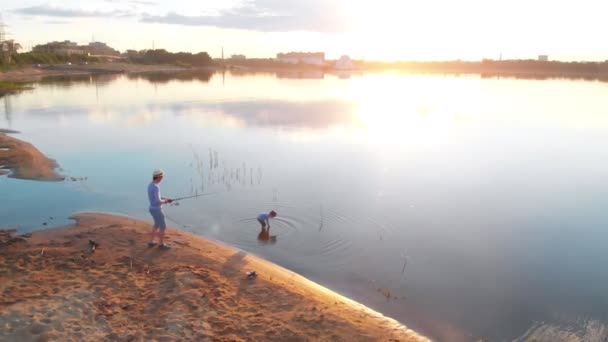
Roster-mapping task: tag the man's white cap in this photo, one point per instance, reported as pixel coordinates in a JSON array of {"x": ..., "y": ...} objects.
[{"x": 158, "y": 172}]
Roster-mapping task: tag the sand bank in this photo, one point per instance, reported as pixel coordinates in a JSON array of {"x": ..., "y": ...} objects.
[
  {"x": 53, "y": 286},
  {"x": 25, "y": 161}
]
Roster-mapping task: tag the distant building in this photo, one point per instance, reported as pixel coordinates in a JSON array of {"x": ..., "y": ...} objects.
[
  {"x": 131, "y": 53},
  {"x": 312, "y": 75},
  {"x": 311, "y": 58},
  {"x": 238, "y": 57},
  {"x": 67, "y": 47},
  {"x": 344, "y": 63},
  {"x": 543, "y": 58},
  {"x": 99, "y": 48}
]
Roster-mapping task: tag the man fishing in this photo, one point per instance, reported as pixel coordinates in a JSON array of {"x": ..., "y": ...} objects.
[{"x": 156, "y": 202}]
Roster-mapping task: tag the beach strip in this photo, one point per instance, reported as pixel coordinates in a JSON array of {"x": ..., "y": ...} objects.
[{"x": 99, "y": 280}]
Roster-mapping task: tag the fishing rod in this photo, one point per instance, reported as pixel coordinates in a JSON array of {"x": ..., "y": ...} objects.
[{"x": 193, "y": 196}]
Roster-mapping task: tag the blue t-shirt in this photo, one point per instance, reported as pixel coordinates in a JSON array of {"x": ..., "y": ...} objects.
[
  {"x": 154, "y": 196},
  {"x": 263, "y": 217}
]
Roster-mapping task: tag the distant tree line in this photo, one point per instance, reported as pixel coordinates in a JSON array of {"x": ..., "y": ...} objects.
[
  {"x": 272, "y": 64},
  {"x": 495, "y": 66},
  {"x": 32, "y": 58},
  {"x": 485, "y": 67},
  {"x": 7, "y": 49},
  {"x": 50, "y": 58},
  {"x": 10, "y": 56},
  {"x": 161, "y": 56},
  {"x": 165, "y": 77}
]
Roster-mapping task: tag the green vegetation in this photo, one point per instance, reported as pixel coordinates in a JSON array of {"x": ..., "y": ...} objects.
[
  {"x": 161, "y": 56},
  {"x": 490, "y": 67},
  {"x": 11, "y": 87},
  {"x": 165, "y": 77},
  {"x": 19, "y": 60},
  {"x": 533, "y": 69},
  {"x": 271, "y": 63}
]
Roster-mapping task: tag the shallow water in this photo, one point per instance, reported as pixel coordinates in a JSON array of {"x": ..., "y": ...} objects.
[{"x": 465, "y": 207}]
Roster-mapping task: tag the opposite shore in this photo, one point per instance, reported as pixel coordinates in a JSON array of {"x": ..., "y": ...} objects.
[
  {"x": 12, "y": 80},
  {"x": 33, "y": 73}
]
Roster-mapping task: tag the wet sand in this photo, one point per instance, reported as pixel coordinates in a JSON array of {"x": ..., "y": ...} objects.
[
  {"x": 22, "y": 160},
  {"x": 53, "y": 286}
]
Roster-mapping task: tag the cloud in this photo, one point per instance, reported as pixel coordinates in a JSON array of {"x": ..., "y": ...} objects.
[
  {"x": 268, "y": 16},
  {"x": 51, "y": 11},
  {"x": 257, "y": 15},
  {"x": 134, "y": 2},
  {"x": 313, "y": 114},
  {"x": 269, "y": 113},
  {"x": 56, "y": 22},
  {"x": 150, "y": 3}
]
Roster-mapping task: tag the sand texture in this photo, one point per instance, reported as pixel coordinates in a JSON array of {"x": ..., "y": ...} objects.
[{"x": 54, "y": 286}]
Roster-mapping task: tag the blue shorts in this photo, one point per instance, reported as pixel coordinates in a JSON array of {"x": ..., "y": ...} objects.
[
  {"x": 159, "y": 219},
  {"x": 262, "y": 222}
]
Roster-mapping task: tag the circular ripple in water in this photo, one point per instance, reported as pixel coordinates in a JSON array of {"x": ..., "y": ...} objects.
[
  {"x": 246, "y": 232},
  {"x": 305, "y": 236}
]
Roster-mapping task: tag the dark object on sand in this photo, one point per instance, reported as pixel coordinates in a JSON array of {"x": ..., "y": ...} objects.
[
  {"x": 93, "y": 245},
  {"x": 251, "y": 275}
]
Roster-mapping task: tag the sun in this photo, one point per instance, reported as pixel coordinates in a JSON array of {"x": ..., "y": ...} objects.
[{"x": 419, "y": 30}]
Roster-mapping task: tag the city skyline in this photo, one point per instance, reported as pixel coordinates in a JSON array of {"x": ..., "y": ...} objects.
[{"x": 379, "y": 30}]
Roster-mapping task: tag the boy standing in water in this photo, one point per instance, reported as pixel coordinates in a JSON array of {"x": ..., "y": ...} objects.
[
  {"x": 264, "y": 218},
  {"x": 156, "y": 202}
]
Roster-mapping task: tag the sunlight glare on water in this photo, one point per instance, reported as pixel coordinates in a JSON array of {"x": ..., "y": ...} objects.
[{"x": 460, "y": 205}]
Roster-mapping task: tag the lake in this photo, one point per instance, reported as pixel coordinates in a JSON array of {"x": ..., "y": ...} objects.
[{"x": 465, "y": 207}]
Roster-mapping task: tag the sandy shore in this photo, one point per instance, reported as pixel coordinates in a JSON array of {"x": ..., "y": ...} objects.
[
  {"x": 23, "y": 160},
  {"x": 53, "y": 286}
]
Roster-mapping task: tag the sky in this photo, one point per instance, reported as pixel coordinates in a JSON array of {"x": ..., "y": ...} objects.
[{"x": 375, "y": 30}]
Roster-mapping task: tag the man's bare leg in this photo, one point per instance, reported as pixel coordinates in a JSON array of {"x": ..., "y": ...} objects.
[{"x": 153, "y": 234}]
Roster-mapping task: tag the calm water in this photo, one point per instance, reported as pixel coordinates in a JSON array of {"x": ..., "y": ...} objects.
[{"x": 465, "y": 207}]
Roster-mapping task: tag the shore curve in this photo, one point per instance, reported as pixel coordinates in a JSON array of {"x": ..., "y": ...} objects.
[{"x": 56, "y": 286}]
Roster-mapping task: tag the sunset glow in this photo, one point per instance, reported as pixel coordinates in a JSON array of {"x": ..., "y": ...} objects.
[{"x": 377, "y": 30}]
